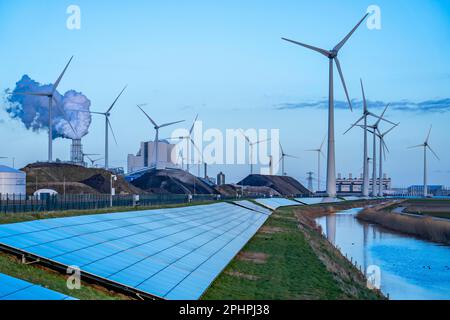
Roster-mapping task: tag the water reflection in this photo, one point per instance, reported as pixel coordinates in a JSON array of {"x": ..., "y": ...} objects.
[{"x": 410, "y": 268}]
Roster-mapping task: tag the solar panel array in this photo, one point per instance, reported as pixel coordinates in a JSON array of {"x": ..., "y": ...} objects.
[
  {"x": 252, "y": 206},
  {"x": 275, "y": 203},
  {"x": 16, "y": 289},
  {"x": 169, "y": 253}
]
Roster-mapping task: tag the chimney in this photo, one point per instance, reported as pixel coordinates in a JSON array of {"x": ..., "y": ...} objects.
[
  {"x": 206, "y": 170},
  {"x": 350, "y": 176},
  {"x": 339, "y": 176},
  {"x": 76, "y": 152}
]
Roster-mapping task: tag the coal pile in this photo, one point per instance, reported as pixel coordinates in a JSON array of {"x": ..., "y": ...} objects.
[
  {"x": 284, "y": 185},
  {"x": 172, "y": 181}
]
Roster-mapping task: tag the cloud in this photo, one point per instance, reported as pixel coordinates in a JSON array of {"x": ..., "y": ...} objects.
[{"x": 428, "y": 106}]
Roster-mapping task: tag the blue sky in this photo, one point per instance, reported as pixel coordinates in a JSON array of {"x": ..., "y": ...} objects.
[{"x": 225, "y": 60}]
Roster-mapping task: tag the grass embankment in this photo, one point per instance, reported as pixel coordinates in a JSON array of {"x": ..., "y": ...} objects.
[
  {"x": 289, "y": 259},
  {"x": 422, "y": 227}
]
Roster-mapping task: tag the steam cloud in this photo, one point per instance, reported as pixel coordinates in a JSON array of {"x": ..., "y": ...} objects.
[{"x": 33, "y": 110}]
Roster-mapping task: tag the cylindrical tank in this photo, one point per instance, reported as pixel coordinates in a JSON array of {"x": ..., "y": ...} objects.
[
  {"x": 12, "y": 182},
  {"x": 220, "y": 179}
]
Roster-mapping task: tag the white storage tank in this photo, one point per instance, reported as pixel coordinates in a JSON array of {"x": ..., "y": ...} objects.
[{"x": 12, "y": 182}]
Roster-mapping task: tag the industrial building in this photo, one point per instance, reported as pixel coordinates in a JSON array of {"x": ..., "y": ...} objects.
[
  {"x": 433, "y": 190},
  {"x": 12, "y": 183},
  {"x": 354, "y": 185},
  {"x": 145, "y": 156}
]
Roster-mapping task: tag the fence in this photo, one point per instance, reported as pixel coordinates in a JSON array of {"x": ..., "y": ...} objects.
[{"x": 45, "y": 203}]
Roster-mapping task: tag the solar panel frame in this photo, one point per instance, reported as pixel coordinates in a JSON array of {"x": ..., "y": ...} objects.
[
  {"x": 275, "y": 203},
  {"x": 253, "y": 206}
]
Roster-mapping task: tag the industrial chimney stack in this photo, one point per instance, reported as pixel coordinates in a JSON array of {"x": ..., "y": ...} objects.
[{"x": 76, "y": 152}]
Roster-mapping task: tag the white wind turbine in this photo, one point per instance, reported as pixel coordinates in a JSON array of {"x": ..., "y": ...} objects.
[
  {"x": 157, "y": 127},
  {"x": 426, "y": 146},
  {"x": 189, "y": 141},
  {"x": 252, "y": 145},
  {"x": 108, "y": 127},
  {"x": 382, "y": 154},
  {"x": 374, "y": 128},
  {"x": 366, "y": 113},
  {"x": 319, "y": 153},
  {"x": 51, "y": 97},
  {"x": 282, "y": 159},
  {"x": 332, "y": 55}
]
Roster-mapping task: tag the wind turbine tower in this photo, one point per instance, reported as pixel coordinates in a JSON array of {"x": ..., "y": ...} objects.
[{"x": 426, "y": 146}]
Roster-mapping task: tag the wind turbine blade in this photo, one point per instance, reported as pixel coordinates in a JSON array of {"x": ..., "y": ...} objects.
[
  {"x": 170, "y": 123},
  {"x": 55, "y": 86},
  {"x": 281, "y": 148},
  {"x": 419, "y": 145},
  {"x": 291, "y": 156},
  {"x": 148, "y": 117},
  {"x": 385, "y": 145},
  {"x": 382, "y": 115},
  {"x": 196, "y": 148},
  {"x": 261, "y": 141},
  {"x": 323, "y": 142},
  {"x": 112, "y": 131},
  {"x": 382, "y": 119},
  {"x": 429, "y": 132},
  {"x": 61, "y": 109},
  {"x": 246, "y": 138},
  {"x": 433, "y": 152},
  {"x": 38, "y": 94},
  {"x": 364, "y": 97},
  {"x": 322, "y": 51},
  {"x": 338, "y": 65},
  {"x": 94, "y": 112},
  {"x": 107, "y": 111},
  {"x": 390, "y": 130},
  {"x": 341, "y": 44},
  {"x": 193, "y": 124},
  {"x": 354, "y": 125}
]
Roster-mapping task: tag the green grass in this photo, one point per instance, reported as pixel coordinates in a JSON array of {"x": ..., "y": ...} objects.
[
  {"x": 292, "y": 270},
  {"x": 9, "y": 265}
]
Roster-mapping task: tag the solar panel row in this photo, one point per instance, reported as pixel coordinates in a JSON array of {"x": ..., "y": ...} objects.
[
  {"x": 16, "y": 289},
  {"x": 275, "y": 203},
  {"x": 311, "y": 201},
  {"x": 170, "y": 253}
]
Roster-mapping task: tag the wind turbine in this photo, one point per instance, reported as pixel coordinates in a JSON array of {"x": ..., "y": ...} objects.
[
  {"x": 93, "y": 161},
  {"x": 374, "y": 128},
  {"x": 283, "y": 156},
  {"x": 366, "y": 113},
  {"x": 319, "y": 153},
  {"x": 157, "y": 127},
  {"x": 251, "y": 145},
  {"x": 426, "y": 145},
  {"x": 382, "y": 154},
  {"x": 51, "y": 96},
  {"x": 108, "y": 127},
  {"x": 332, "y": 55},
  {"x": 188, "y": 140}
]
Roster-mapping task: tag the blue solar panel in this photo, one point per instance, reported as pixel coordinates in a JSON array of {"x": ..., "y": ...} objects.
[
  {"x": 16, "y": 289},
  {"x": 170, "y": 253},
  {"x": 275, "y": 203},
  {"x": 351, "y": 198},
  {"x": 252, "y": 206}
]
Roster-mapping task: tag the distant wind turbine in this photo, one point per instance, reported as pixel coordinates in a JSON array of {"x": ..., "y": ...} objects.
[
  {"x": 157, "y": 127},
  {"x": 51, "y": 97},
  {"x": 332, "y": 55},
  {"x": 366, "y": 113},
  {"x": 251, "y": 145},
  {"x": 374, "y": 130},
  {"x": 108, "y": 127},
  {"x": 282, "y": 159},
  {"x": 426, "y": 146},
  {"x": 319, "y": 153},
  {"x": 189, "y": 140}
]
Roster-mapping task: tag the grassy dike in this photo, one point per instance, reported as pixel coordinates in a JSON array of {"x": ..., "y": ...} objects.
[{"x": 289, "y": 259}]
